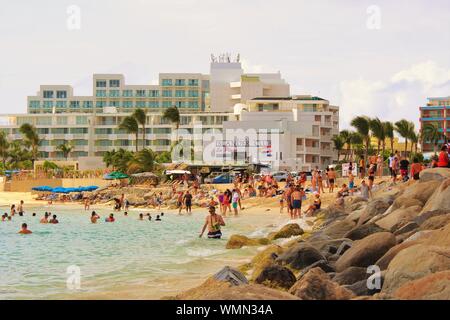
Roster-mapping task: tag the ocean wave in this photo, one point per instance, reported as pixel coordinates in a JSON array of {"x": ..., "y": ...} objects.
[{"x": 204, "y": 252}]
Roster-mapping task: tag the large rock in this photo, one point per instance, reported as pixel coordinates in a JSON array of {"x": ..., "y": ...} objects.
[
  {"x": 326, "y": 266},
  {"x": 398, "y": 217},
  {"x": 316, "y": 285},
  {"x": 436, "y": 222},
  {"x": 374, "y": 208},
  {"x": 440, "y": 198},
  {"x": 439, "y": 237},
  {"x": 289, "y": 230},
  {"x": 338, "y": 228},
  {"x": 300, "y": 256},
  {"x": 360, "y": 288},
  {"x": 435, "y": 286},
  {"x": 328, "y": 246},
  {"x": 414, "y": 263},
  {"x": 421, "y": 191},
  {"x": 367, "y": 251},
  {"x": 363, "y": 231},
  {"x": 384, "y": 261},
  {"x": 351, "y": 275},
  {"x": 405, "y": 228},
  {"x": 276, "y": 276},
  {"x": 264, "y": 258},
  {"x": 424, "y": 216},
  {"x": 238, "y": 241},
  {"x": 434, "y": 174},
  {"x": 212, "y": 289}
]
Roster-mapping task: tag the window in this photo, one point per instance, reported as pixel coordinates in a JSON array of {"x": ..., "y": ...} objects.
[
  {"x": 100, "y": 93},
  {"x": 44, "y": 143},
  {"x": 101, "y": 84},
  {"x": 140, "y": 104},
  {"x": 100, "y": 104},
  {"x": 48, "y": 94},
  {"x": 114, "y": 83},
  {"x": 179, "y": 82},
  {"x": 61, "y": 104},
  {"x": 127, "y": 93},
  {"x": 44, "y": 121},
  {"x": 140, "y": 93},
  {"x": 180, "y": 104},
  {"x": 35, "y": 104},
  {"x": 61, "y": 94},
  {"x": 180, "y": 93},
  {"x": 87, "y": 104},
  {"x": 153, "y": 93},
  {"x": 127, "y": 104},
  {"x": 114, "y": 93},
  {"x": 185, "y": 120},
  {"x": 193, "y": 82},
  {"x": 78, "y": 130},
  {"x": 75, "y": 104},
  {"x": 48, "y": 104},
  {"x": 59, "y": 131},
  {"x": 43, "y": 130},
  {"x": 166, "y": 82},
  {"x": 162, "y": 130},
  {"x": 114, "y": 103},
  {"x": 104, "y": 131},
  {"x": 61, "y": 120},
  {"x": 80, "y": 142},
  {"x": 167, "y": 104},
  {"x": 103, "y": 143},
  {"x": 167, "y": 93},
  {"x": 193, "y": 93},
  {"x": 193, "y": 104},
  {"x": 81, "y": 120},
  {"x": 153, "y": 104}
]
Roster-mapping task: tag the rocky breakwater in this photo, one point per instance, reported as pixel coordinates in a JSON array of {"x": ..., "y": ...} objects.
[{"x": 394, "y": 246}]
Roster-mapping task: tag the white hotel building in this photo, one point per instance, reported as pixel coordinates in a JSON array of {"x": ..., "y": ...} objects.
[{"x": 297, "y": 130}]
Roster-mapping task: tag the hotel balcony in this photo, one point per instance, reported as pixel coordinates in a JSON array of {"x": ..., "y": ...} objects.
[
  {"x": 327, "y": 153},
  {"x": 314, "y": 150},
  {"x": 326, "y": 137}
]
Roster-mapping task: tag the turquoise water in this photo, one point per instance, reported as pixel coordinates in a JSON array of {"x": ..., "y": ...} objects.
[{"x": 125, "y": 259}]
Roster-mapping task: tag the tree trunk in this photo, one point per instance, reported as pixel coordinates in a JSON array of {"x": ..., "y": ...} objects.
[
  {"x": 392, "y": 145},
  {"x": 366, "y": 152},
  {"x": 143, "y": 137},
  {"x": 137, "y": 141},
  {"x": 406, "y": 146},
  {"x": 378, "y": 147}
]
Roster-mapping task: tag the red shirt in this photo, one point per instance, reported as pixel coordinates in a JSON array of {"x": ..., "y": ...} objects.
[{"x": 443, "y": 159}]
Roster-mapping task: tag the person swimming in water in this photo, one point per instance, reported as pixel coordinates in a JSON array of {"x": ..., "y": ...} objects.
[
  {"x": 44, "y": 219},
  {"x": 158, "y": 218},
  {"x": 125, "y": 214},
  {"x": 34, "y": 214},
  {"x": 141, "y": 216},
  {"x": 94, "y": 217},
  {"x": 24, "y": 229},
  {"x": 54, "y": 220},
  {"x": 4, "y": 216},
  {"x": 149, "y": 217},
  {"x": 110, "y": 218},
  {"x": 213, "y": 223}
]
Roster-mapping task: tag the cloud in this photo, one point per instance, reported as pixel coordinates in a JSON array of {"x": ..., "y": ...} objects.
[{"x": 398, "y": 97}]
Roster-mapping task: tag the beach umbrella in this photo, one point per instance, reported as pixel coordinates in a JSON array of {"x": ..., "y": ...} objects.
[
  {"x": 118, "y": 175},
  {"x": 42, "y": 188},
  {"x": 60, "y": 190}
]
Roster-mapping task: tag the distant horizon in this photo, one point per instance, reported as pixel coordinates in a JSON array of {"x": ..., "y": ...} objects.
[{"x": 379, "y": 59}]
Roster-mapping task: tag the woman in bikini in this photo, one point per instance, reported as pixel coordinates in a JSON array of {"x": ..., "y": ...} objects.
[{"x": 213, "y": 223}]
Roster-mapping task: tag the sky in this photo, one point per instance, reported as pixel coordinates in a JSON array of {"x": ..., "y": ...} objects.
[{"x": 375, "y": 58}]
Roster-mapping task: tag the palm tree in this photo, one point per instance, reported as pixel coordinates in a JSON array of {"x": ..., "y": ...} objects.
[
  {"x": 377, "y": 128},
  {"x": 362, "y": 126},
  {"x": 346, "y": 137},
  {"x": 31, "y": 139},
  {"x": 173, "y": 115},
  {"x": 338, "y": 145},
  {"x": 108, "y": 158},
  {"x": 389, "y": 132},
  {"x": 404, "y": 128},
  {"x": 414, "y": 138},
  {"x": 431, "y": 134},
  {"x": 141, "y": 117},
  {"x": 4, "y": 147},
  {"x": 66, "y": 149},
  {"x": 130, "y": 125},
  {"x": 143, "y": 161},
  {"x": 355, "y": 139}
]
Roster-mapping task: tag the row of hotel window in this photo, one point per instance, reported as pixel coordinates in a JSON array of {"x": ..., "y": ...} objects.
[
  {"x": 103, "y": 143},
  {"x": 107, "y": 131},
  {"x": 125, "y": 104},
  {"x": 49, "y": 94},
  {"x": 165, "y": 82}
]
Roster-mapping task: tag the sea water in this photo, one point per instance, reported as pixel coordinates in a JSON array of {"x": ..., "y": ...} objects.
[{"x": 126, "y": 259}]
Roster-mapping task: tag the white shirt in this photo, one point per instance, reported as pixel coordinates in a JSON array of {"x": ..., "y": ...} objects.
[{"x": 390, "y": 161}]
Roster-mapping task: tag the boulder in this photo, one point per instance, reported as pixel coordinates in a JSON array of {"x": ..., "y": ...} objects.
[
  {"x": 357, "y": 206},
  {"x": 351, "y": 275},
  {"x": 439, "y": 237},
  {"x": 421, "y": 191},
  {"x": 276, "y": 276},
  {"x": 410, "y": 226},
  {"x": 212, "y": 289},
  {"x": 414, "y": 263},
  {"x": 419, "y": 235},
  {"x": 374, "y": 208},
  {"x": 343, "y": 247},
  {"x": 363, "y": 231},
  {"x": 231, "y": 275},
  {"x": 367, "y": 251},
  {"x": 435, "y": 286},
  {"x": 434, "y": 174},
  {"x": 300, "y": 256},
  {"x": 328, "y": 246},
  {"x": 424, "y": 216},
  {"x": 289, "y": 230},
  {"x": 384, "y": 261},
  {"x": 238, "y": 241},
  {"x": 322, "y": 264},
  {"x": 338, "y": 229},
  {"x": 355, "y": 215},
  {"x": 316, "y": 285},
  {"x": 361, "y": 288},
  {"x": 436, "y": 222},
  {"x": 265, "y": 258},
  {"x": 440, "y": 198},
  {"x": 398, "y": 217}
]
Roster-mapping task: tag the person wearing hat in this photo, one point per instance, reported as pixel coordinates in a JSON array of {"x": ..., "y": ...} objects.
[{"x": 213, "y": 223}]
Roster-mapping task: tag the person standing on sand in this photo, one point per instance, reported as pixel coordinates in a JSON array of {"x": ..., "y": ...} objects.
[
  {"x": 24, "y": 229},
  {"x": 314, "y": 181},
  {"x": 372, "y": 170},
  {"x": 365, "y": 190},
  {"x": 351, "y": 182},
  {"x": 296, "y": 202},
  {"x": 394, "y": 170},
  {"x": 87, "y": 204},
  {"x": 332, "y": 179},
  {"x": 380, "y": 162},
  {"x": 362, "y": 169},
  {"x": 235, "y": 201},
  {"x": 320, "y": 182},
  {"x": 213, "y": 223}
]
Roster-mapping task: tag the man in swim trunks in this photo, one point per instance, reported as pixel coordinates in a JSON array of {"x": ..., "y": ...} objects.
[
  {"x": 24, "y": 229},
  {"x": 54, "y": 220},
  {"x": 188, "y": 202},
  {"x": 213, "y": 223},
  {"x": 331, "y": 179},
  {"x": 296, "y": 201}
]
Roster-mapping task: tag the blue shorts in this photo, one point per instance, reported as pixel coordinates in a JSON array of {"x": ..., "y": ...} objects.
[
  {"x": 296, "y": 204},
  {"x": 351, "y": 185}
]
